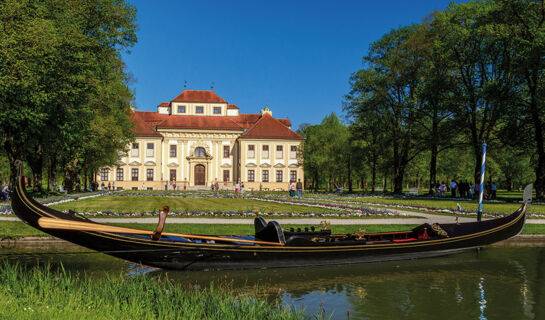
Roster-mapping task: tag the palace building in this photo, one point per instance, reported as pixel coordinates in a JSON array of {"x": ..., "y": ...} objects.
[{"x": 198, "y": 139}]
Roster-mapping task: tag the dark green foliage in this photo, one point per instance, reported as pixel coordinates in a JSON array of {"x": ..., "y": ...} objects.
[{"x": 64, "y": 99}]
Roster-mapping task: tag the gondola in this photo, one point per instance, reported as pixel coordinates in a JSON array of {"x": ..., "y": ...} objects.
[{"x": 270, "y": 247}]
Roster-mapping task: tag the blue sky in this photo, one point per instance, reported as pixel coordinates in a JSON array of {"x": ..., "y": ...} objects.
[{"x": 294, "y": 56}]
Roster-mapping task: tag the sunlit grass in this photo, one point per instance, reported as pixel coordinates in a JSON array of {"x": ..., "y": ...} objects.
[
  {"x": 178, "y": 204},
  {"x": 42, "y": 293}
]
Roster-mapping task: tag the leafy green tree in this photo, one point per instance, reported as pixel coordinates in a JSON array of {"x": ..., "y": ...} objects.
[
  {"x": 59, "y": 71},
  {"x": 481, "y": 66}
]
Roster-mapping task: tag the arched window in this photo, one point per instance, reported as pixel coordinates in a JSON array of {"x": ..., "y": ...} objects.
[{"x": 199, "y": 152}]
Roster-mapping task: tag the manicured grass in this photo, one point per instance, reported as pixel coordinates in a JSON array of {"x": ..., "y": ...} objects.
[
  {"x": 446, "y": 204},
  {"x": 177, "y": 204},
  {"x": 41, "y": 293}
]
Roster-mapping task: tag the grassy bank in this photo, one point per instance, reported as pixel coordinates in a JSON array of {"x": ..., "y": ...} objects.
[
  {"x": 16, "y": 229},
  {"x": 41, "y": 293}
]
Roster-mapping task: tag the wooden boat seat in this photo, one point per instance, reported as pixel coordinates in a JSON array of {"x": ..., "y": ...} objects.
[{"x": 271, "y": 232}]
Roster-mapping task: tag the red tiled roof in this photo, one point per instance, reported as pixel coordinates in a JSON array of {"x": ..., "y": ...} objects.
[
  {"x": 231, "y": 106},
  {"x": 200, "y": 122},
  {"x": 144, "y": 121},
  {"x": 268, "y": 127},
  {"x": 164, "y": 104},
  {"x": 198, "y": 96},
  {"x": 259, "y": 126}
]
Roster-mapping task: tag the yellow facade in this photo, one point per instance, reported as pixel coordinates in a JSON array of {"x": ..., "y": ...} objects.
[{"x": 181, "y": 158}]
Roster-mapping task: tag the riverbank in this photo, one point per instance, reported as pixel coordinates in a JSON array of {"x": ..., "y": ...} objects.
[{"x": 42, "y": 293}]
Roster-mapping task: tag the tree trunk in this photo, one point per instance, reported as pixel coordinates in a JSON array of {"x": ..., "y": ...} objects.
[
  {"x": 349, "y": 173},
  {"x": 36, "y": 164},
  {"x": 374, "y": 174},
  {"x": 433, "y": 168},
  {"x": 53, "y": 173},
  {"x": 539, "y": 184}
]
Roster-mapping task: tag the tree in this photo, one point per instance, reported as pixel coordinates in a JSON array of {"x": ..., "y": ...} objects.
[
  {"x": 524, "y": 21},
  {"x": 386, "y": 88},
  {"x": 481, "y": 65},
  {"x": 59, "y": 68}
]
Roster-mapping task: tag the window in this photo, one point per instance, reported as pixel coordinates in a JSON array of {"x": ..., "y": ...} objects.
[
  {"x": 104, "y": 174},
  {"x": 172, "y": 175},
  {"x": 149, "y": 151},
  {"x": 119, "y": 175},
  {"x": 134, "y": 174},
  {"x": 251, "y": 175},
  {"x": 293, "y": 152},
  {"x": 265, "y": 152},
  {"x": 265, "y": 176},
  {"x": 279, "y": 152},
  {"x": 149, "y": 175},
  {"x": 199, "y": 109},
  {"x": 225, "y": 175},
  {"x": 173, "y": 151},
  {"x": 199, "y": 152},
  {"x": 134, "y": 152},
  {"x": 251, "y": 151},
  {"x": 278, "y": 175},
  {"x": 181, "y": 109},
  {"x": 226, "y": 151},
  {"x": 217, "y": 110},
  {"x": 293, "y": 176}
]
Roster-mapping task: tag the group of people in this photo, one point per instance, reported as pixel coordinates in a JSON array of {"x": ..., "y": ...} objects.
[
  {"x": 109, "y": 186},
  {"x": 4, "y": 191},
  {"x": 465, "y": 189},
  {"x": 298, "y": 187}
]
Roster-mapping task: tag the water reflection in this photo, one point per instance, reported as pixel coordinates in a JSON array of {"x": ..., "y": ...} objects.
[{"x": 495, "y": 283}]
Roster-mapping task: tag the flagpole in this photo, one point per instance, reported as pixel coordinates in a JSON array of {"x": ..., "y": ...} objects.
[{"x": 481, "y": 189}]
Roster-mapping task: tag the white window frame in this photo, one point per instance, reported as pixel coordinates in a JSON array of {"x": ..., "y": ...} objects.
[
  {"x": 148, "y": 149},
  {"x": 135, "y": 152},
  {"x": 252, "y": 154},
  {"x": 279, "y": 154}
]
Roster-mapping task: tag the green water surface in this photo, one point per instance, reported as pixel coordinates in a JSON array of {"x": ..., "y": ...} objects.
[{"x": 502, "y": 282}]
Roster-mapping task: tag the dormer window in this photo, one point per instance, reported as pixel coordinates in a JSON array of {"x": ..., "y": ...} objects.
[
  {"x": 199, "y": 109},
  {"x": 181, "y": 109},
  {"x": 217, "y": 110}
]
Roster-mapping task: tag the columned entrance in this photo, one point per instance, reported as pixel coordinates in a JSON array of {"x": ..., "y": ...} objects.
[{"x": 200, "y": 175}]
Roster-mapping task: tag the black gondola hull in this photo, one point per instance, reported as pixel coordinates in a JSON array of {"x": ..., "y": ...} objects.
[{"x": 202, "y": 256}]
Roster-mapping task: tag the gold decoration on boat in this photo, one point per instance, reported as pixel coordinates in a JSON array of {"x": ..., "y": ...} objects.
[
  {"x": 325, "y": 224},
  {"x": 437, "y": 228},
  {"x": 360, "y": 234}
]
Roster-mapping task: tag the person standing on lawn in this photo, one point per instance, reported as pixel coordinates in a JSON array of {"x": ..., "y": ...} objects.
[
  {"x": 299, "y": 189},
  {"x": 494, "y": 188},
  {"x": 453, "y": 186}
]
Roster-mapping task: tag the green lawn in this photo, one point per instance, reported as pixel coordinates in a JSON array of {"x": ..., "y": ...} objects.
[
  {"x": 444, "y": 204},
  {"x": 178, "y": 204},
  {"x": 17, "y": 229}
]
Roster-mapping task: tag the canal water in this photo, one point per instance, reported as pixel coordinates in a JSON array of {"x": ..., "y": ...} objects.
[{"x": 497, "y": 282}]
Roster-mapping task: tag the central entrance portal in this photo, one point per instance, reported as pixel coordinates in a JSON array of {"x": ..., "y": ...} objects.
[{"x": 199, "y": 175}]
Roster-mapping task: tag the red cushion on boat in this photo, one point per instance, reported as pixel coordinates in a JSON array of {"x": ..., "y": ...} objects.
[{"x": 403, "y": 240}]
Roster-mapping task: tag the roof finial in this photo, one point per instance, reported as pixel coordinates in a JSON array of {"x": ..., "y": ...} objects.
[
  {"x": 212, "y": 86},
  {"x": 185, "y": 84}
]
